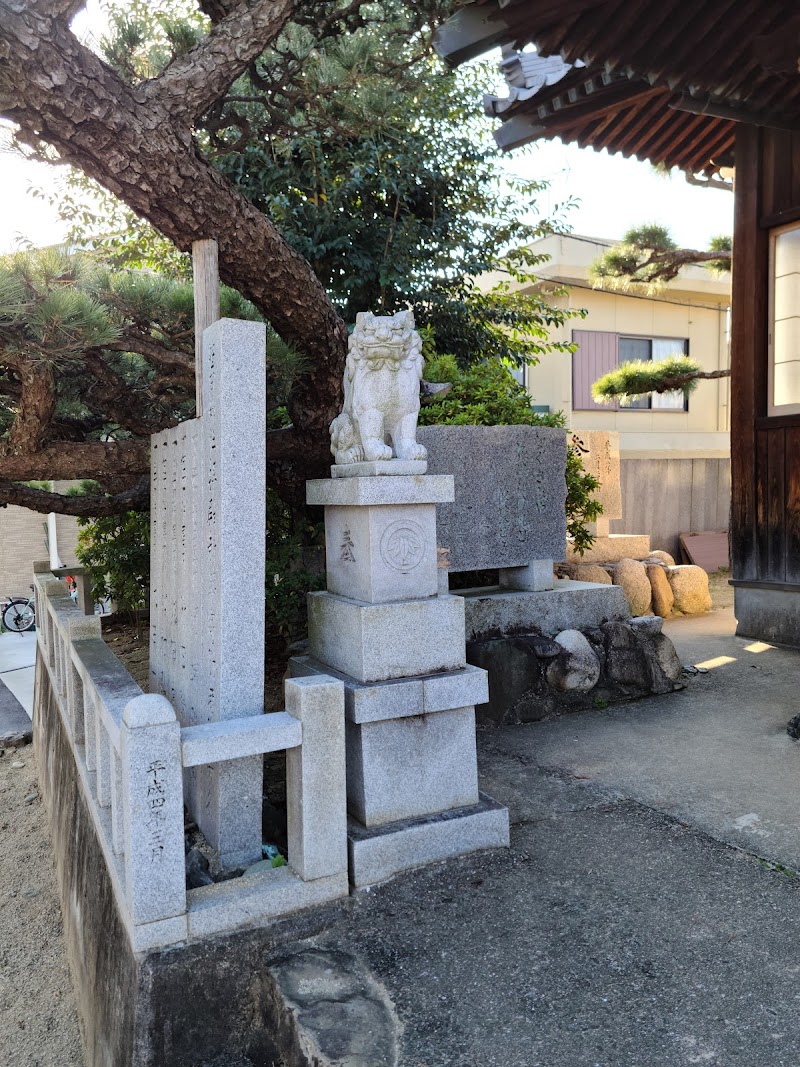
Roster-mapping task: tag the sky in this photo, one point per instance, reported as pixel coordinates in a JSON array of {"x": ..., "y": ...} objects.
[{"x": 613, "y": 193}]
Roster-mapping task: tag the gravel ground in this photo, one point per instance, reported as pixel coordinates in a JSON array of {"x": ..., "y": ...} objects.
[{"x": 38, "y": 1018}]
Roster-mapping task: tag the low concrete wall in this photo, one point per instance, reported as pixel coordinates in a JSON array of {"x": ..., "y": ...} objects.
[
  {"x": 667, "y": 497},
  {"x": 210, "y": 1002},
  {"x": 768, "y": 613}
]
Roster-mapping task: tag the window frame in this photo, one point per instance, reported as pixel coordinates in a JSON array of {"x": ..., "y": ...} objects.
[
  {"x": 775, "y": 410},
  {"x": 639, "y": 337}
]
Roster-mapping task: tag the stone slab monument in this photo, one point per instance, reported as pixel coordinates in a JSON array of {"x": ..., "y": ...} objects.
[
  {"x": 599, "y": 451},
  {"x": 389, "y": 631},
  {"x": 208, "y": 518},
  {"x": 508, "y": 512}
]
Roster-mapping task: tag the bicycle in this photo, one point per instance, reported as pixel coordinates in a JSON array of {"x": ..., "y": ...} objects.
[{"x": 19, "y": 614}]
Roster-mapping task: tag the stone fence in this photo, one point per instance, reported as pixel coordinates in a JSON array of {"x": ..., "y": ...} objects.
[{"x": 131, "y": 759}]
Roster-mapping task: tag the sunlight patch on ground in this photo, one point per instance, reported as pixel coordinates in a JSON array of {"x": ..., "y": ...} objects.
[
  {"x": 758, "y": 646},
  {"x": 717, "y": 661}
]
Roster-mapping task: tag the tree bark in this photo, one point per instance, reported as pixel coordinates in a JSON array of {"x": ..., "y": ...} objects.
[
  {"x": 126, "y": 138},
  {"x": 37, "y": 406},
  {"x": 88, "y": 459}
]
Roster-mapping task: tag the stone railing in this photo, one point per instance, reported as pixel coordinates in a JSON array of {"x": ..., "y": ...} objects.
[{"x": 130, "y": 753}]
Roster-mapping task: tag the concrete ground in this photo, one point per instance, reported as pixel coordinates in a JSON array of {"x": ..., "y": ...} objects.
[
  {"x": 646, "y": 914},
  {"x": 17, "y": 657}
]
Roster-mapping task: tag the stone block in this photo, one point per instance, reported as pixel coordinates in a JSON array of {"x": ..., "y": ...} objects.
[
  {"x": 661, "y": 590},
  {"x": 599, "y": 450},
  {"x": 412, "y": 766},
  {"x": 257, "y": 900},
  {"x": 152, "y": 790},
  {"x": 381, "y": 553},
  {"x": 538, "y": 575},
  {"x": 768, "y": 614},
  {"x": 381, "y": 852},
  {"x": 376, "y": 701},
  {"x": 362, "y": 492},
  {"x": 510, "y": 493},
  {"x": 613, "y": 548},
  {"x": 379, "y": 467},
  {"x": 570, "y": 605},
  {"x": 375, "y": 642},
  {"x": 315, "y": 779}
]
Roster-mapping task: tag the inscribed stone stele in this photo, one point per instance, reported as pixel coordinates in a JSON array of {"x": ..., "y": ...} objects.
[{"x": 510, "y": 493}]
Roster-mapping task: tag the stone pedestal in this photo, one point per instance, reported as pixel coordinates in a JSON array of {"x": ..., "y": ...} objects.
[
  {"x": 398, "y": 644},
  {"x": 613, "y": 548}
]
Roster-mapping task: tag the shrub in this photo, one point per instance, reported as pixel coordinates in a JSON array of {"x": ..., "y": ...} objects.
[
  {"x": 487, "y": 394},
  {"x": 116, "y": 551}
]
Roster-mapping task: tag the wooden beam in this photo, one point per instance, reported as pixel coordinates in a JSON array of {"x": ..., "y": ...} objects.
[{"x": 205, "y": 267}]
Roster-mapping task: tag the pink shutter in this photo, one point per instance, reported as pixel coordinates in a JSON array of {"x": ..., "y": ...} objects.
[{"x": 597, "y": 354}]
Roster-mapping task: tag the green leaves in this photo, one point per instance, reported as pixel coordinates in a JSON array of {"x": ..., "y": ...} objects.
[{"x": 630, "y": 380}]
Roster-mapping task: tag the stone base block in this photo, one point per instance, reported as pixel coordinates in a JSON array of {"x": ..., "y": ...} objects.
[
  {"x": 538, "y": 575},
  {"x": 381, "y": 553},
  {"x": 369, "y": 469},
  {"x": 375, "y": 642},
  {"x": 613, "y": 548},
  {"x": 569, "y": 606},
  {"x": 406, "y": 696},
  {"x": 768, "y": 613},
  {"x": 378, "y": 854},
  {"x": 410, "y": 767}
]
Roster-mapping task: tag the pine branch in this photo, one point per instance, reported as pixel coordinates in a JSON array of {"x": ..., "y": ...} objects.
[
  {"x": 640, "y": 376},
  {"x": 136, "y": 498}
]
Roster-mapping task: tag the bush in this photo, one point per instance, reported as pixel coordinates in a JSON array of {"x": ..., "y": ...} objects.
[
  {"x": 487, "y": 394},
  {"x": 288, "y": 574},
  {"x": 115, "y": 549}
]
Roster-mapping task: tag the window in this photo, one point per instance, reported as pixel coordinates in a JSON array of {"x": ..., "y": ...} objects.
[
  {"x": 784, "y": 310},
  {"x": 600, "y": 352}
]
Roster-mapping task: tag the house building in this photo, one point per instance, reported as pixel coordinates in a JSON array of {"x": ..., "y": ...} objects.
[
  {"x": 674, "y": 451},
  {"x": 26, "y": 536},
  {"x": 708, "y": 88}
]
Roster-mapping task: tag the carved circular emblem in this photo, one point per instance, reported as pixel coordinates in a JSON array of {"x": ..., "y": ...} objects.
[{"x": 403, "y": 545}]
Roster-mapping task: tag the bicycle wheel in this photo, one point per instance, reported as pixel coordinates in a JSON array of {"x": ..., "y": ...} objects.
[{"x": 19, "y": 615}]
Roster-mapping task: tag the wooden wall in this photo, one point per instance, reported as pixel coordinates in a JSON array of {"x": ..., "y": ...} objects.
[
  {"x": 765, "y": 451},
  {"x": 668, "y": 497}
]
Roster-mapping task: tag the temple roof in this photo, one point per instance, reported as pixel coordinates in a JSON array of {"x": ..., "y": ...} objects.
[{"x": 661, "y": 80}]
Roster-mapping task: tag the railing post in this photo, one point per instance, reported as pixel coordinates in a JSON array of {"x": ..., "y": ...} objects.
[
  {"x": 152, "y": 794},
  {"x": 315, "y": 779}
]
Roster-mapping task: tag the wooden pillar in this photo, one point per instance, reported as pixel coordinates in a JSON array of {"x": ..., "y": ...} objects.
[{"x": 205, "y": 268}]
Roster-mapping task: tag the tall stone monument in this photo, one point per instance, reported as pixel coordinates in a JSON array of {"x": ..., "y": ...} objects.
[
  {"x": 385, "y": 627},
  {"x": 599, "y": 451},
  {"x": 207, "y": 541}
]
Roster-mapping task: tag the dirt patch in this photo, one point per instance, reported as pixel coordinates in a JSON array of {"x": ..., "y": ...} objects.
[
  {"x": 38, "y": 1015},
  {"x": 721, "y": 591},
  {"x": 130, "y": 644}
]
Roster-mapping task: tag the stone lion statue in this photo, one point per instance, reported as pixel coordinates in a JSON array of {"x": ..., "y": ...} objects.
[{"x": 381, "y": 391}]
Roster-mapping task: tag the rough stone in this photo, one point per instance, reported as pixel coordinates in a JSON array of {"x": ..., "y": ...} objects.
[
  {"x": 666, "y": 657},
  {"x": 510, "y": 493},
  {"x": 197, "y": 869},
  {"x": 413, "y": 766},
  {"x": 330, "y": 1006},
  {"x": 626, "y": 662},
  {"x": 577, "y": 668},
  {"x": 589, "y": 572},
  {"x": 690, "y": 588},
  {"x": 569, "y": 605},
  {"x": 631, "y": 576},
  {"x": 374, "y": 642},
  {"x": 647, "y": 624},
  {"x": 660, "y": 589},
  {"x": 659, "y": 556}
]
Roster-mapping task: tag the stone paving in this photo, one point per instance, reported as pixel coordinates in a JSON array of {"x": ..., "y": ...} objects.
[{"x": 17, "y": 657}]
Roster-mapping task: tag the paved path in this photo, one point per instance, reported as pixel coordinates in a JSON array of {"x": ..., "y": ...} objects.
[
  {"x": 646, "y": 914},
  {"x": 17, "y": 657}
]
